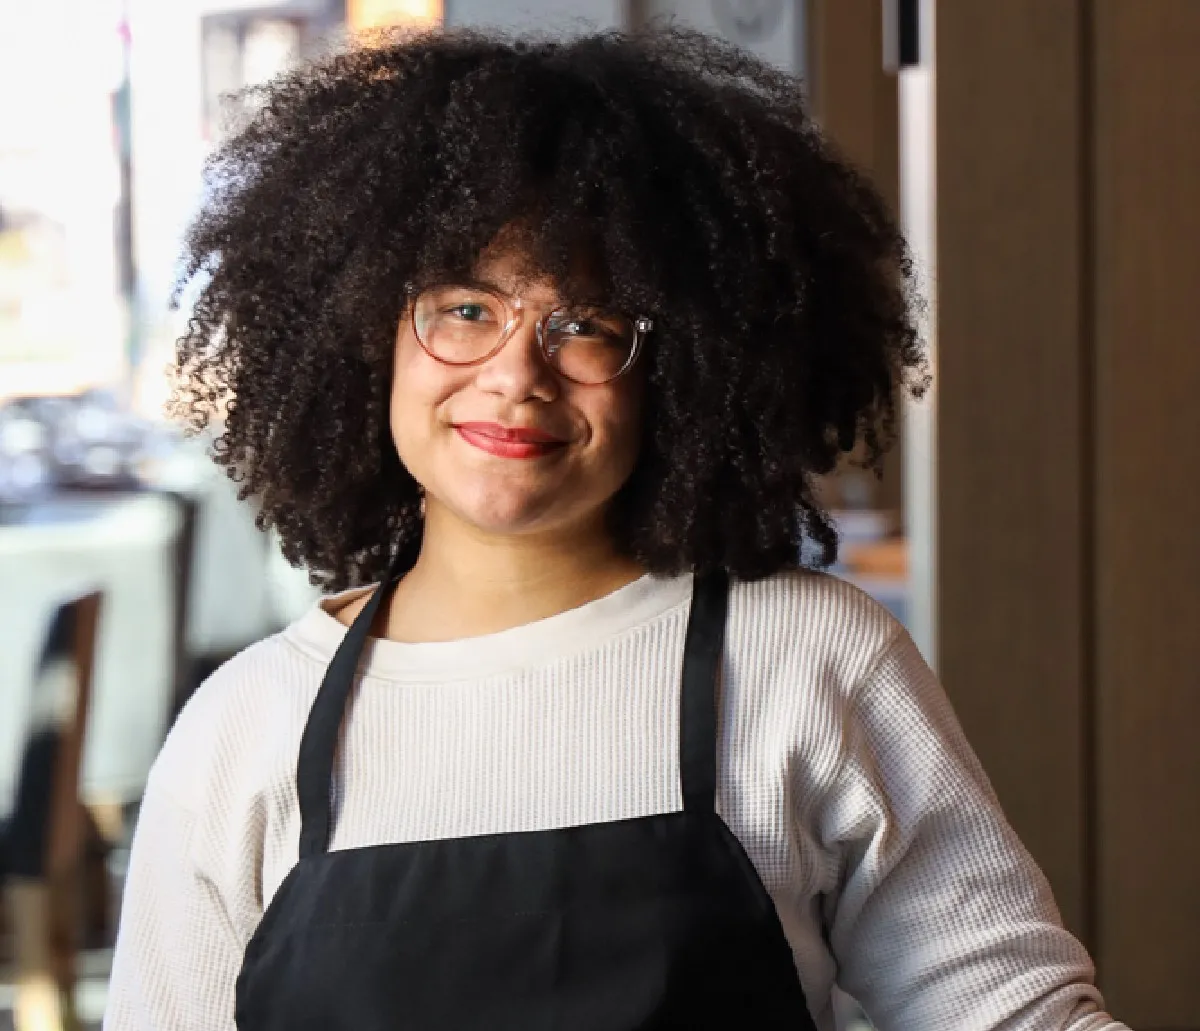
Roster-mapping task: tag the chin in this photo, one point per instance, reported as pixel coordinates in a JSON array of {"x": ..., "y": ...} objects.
[{"x": 507, "y": 516}]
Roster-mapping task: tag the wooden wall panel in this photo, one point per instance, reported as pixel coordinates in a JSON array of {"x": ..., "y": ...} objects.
[
  {"x": 854, "y": 98},
  {"x": 1147, "y": 364},
  {"x": 1011, "y": 471},
  {"x": 855, "y": 101}
]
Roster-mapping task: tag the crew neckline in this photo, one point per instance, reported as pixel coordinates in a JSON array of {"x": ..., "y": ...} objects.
[{"x": 318, "y": 633}]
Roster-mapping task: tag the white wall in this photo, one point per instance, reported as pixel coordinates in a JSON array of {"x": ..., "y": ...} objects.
[
  {"x": 60, "y": 60},
  {"x": 169, "y": 147},
  {"x": 168, "y": 151},
  {"x": 772, "y": 29},
  {"x": 918, "y": 216},
  {"x": 537, "y": 15}
]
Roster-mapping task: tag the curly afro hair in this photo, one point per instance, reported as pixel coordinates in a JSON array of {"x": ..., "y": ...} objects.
[{"x": 781, "y": 290}]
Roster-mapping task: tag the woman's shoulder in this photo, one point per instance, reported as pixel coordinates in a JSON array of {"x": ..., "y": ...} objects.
[
  {"x": 819, "y": 600},
  {"x": 250, "y": 707},
  {"x": 811, "y": 619}
]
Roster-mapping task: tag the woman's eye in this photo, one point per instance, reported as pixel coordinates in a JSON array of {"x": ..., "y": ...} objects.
[
  {"x": 469, "y": 312},
  {"x": 581, "y": 328}
]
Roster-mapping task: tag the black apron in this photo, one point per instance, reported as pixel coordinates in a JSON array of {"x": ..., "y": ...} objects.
[{"x": 656, "y": 922}]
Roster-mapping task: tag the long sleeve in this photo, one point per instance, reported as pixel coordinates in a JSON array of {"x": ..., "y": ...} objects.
[
  {"x": 943, "y": 921},
  {"x": 177, "y": 955}
]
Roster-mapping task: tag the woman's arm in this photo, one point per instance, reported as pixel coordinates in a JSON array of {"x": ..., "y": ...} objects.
[
  {"x": 191, "y": 891},
  {"x": 177, "y": 956},
  {"x": 943, "y": 922}
]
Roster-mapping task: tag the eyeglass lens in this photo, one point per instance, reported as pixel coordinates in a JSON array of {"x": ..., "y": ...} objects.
[{"x": 465, "y": 324}]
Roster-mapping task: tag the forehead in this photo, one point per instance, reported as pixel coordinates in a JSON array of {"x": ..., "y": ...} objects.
[
  {"x": 516, "y": 267},
  {"x": 513, "y": 273}
]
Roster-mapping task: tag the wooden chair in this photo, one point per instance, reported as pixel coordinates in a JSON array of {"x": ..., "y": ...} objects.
[{"x": 47, "y": 835}]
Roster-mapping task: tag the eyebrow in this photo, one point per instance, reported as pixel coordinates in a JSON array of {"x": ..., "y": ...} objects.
[
  {"x": 479, "y": 283},
  {"x": 482, "y": 284}
]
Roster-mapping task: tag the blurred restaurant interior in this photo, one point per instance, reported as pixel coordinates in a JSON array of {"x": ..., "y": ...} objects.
[{"x": 1035, "y": 528}]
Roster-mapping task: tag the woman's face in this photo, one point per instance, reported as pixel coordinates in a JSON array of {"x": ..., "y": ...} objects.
[{"x": 509, "y": 446}]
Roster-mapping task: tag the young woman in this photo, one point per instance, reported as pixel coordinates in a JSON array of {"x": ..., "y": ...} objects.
[{"x": 547, "y": 343}]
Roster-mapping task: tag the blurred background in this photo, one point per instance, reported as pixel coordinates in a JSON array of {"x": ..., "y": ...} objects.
[{"x": 1036, "y": 529}]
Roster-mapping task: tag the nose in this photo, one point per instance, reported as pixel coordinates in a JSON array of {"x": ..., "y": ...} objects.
[{"x": 518, "y": 371}]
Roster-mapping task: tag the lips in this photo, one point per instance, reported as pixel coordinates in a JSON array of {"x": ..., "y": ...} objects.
[{"x": 509, "y": 441}]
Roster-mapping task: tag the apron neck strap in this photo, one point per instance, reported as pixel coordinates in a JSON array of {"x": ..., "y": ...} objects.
[
  {"x": 318, "y": 745},
  {"x": 702, "y": 652},
  {"x": 697, "y": 711}
]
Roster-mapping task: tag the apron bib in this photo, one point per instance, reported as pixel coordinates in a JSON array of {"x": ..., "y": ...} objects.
[{"x": 659, "y": 922}]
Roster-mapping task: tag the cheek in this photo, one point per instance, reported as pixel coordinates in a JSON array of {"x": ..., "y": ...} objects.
[
  {"x": 617, "y": 424},
  {"x": 418, "y": 387}
]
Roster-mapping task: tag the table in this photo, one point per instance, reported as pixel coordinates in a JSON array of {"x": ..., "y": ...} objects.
[
  {"x": 241, "y": 590},
  {"x": 123, "y": 547},
  {"x": 242, "y": 587}
]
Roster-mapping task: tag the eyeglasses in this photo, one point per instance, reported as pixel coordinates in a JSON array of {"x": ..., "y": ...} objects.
[{"x": 462, "y": 324}]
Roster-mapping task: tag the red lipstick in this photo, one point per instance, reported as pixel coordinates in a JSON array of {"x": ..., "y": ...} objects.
[{"x": 508, "y": 441}]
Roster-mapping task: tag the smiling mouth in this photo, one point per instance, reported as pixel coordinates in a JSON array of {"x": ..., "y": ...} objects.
[{"x": 509, "y": 442}]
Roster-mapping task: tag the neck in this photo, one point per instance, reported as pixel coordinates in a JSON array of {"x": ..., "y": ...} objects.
[{"x": 466, "y": 583}]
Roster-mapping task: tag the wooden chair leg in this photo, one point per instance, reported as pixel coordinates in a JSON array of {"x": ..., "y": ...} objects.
[
  {"x": 108, "y": 817},
  {"x": 66, "y": 920},
  {"x": 43, "y": 919},
  {"x": 104, "y": 829}
]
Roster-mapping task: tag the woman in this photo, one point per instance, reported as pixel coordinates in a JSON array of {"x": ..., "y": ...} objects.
[{"x": 549, "y": 342}]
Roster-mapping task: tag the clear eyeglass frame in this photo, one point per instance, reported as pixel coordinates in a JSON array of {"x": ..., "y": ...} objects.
[{"x": 514, "y": 309}]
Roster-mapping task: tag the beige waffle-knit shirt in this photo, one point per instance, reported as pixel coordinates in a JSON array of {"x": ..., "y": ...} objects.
[{"x": 842, "y": 771}]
